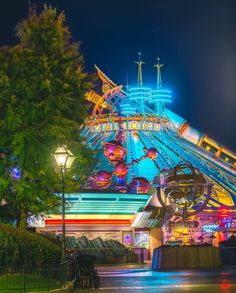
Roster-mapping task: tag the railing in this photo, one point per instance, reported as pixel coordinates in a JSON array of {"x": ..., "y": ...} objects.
[
  {"x": 26, "y": 279},
  {"x": 113, "y": 255},
  {"x": 228, "y": 256}
]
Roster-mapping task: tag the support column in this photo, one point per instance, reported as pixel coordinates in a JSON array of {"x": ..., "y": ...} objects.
[{"x": 155, "y": 238}]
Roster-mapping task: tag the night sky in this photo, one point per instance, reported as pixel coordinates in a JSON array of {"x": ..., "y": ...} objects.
[{"x": 195, "y": 39}]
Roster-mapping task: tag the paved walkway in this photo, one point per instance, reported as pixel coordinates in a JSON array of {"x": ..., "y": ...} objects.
[{"x": 133, "y": 278}]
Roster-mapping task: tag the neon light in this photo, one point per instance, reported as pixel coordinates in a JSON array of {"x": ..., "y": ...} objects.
[
  {"x": 87, "y": 221},
  {"x": 225, "y": 218},
  {"x": 105, "y": 203},
  {"x": 134, "y": 125},
  {"x": 210, "y": 228},
  {"x": 141, "y": 89}
]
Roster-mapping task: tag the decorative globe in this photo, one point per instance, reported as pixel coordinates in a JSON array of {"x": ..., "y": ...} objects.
[
  {"x": 185, "y": 186},
  {"x": 114, "y": 151},
  {"x": 120, "y": 169},
  {"x": 152, "y": 153},
  {"x": 105, "y": 88},
  {"x": 139, "y": 185},
  {"x": 100, "y": 180}
]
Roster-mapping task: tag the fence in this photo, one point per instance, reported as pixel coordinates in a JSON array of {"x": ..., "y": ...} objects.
[
  {"x": 228, "y": 256},
  {"x": 112, "y": 255},
  {"x": 25, "y": 279}
]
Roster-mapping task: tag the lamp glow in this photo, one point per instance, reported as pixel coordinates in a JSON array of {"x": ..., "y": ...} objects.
[{"x": 63, "y": 157}]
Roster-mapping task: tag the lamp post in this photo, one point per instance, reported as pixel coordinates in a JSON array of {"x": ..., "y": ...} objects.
[{"x": 64, "y": 160}]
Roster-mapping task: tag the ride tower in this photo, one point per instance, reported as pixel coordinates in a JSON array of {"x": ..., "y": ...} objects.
[{"x": 155, "y": 178}]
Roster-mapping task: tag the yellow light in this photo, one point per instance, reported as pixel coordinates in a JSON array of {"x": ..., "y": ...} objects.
[
  {"x": 134, "y": 125},
  {"x": 104, "y": 104},
  {"x": 208, "y": 148},
  {"x": 63, "y": 157}
]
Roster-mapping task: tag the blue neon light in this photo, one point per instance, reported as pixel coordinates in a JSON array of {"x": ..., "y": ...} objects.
[
  {"x": 127, "y": 109},
  {"x": 139, "y": 93},
  {"x": 160, "y": 95}
]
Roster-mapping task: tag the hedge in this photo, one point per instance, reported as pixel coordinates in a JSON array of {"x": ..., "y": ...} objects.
[{"x": 18, "y": 248}]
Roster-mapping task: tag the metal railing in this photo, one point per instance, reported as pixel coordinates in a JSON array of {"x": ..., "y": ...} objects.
[
  {"x": 228, "y": 256},
  {"x": 113, "y": 255},
  {"x": 26, "y": 279}
]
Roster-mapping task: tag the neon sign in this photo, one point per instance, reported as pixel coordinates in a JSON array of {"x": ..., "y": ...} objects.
[
  {"x": 225, "y": 219},
  {"x": 209, "y": 228}
]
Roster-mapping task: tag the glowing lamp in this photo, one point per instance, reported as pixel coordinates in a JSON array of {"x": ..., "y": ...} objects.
[
  {"x": 63, "y": 157},
  {"x": 3, "y": 202}
]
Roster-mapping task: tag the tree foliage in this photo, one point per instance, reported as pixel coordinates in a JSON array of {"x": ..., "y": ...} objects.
[{"x": 42, "y": 104}]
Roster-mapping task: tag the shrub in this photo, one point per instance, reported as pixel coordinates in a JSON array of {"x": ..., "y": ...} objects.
[{"x": 18, "y": 248}]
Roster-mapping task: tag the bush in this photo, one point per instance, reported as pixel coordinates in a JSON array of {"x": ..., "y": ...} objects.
[{"x": 18, "y": 248}]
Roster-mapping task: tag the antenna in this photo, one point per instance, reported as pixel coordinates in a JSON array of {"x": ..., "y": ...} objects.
[
  {"x": 159, "y": 66},
  {"x": 127, "y": 82},
  {"x": 140, "y": 76}
]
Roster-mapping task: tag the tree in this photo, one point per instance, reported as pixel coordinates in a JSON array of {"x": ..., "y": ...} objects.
[{"x": 42, "y": 104}]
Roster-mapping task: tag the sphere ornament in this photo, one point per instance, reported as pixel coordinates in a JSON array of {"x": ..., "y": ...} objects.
[
  {"x": 120, "y": 169},
  {"x": 139, "y": 185},
  {"x": 100, "y": 180},
  {"x": 186, "y": 190},
  {"x": 105, "y": 88},
  {"x": 114, "y": 151},
  {"x": 152, "y": 153}
]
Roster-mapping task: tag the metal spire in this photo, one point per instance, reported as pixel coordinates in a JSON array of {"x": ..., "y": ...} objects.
[
  {"x": 127, "y": 82},
  {"x": 140, "y": 76},
  {"x": 158, "y": 66}
]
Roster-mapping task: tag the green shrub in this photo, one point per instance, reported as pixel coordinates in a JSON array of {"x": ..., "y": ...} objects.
[{"x": 18, "y": 248}]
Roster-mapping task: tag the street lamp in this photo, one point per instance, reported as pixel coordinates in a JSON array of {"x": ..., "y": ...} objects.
[{"x": 64, "y": 160}]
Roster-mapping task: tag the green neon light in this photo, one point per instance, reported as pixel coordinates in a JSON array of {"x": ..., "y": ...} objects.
[{"x": 105, "y": 203}]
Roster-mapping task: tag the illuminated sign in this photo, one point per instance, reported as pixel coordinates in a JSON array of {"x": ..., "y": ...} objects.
[
  {"x": 225, "y": 219},
  {"x": 210, "y": 228}
]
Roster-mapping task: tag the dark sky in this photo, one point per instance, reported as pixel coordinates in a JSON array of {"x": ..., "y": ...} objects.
[{"x": 196, "y": 40}]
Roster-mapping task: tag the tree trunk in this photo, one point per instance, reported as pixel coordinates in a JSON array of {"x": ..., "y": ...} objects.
[{"x": 23, "y": 220}]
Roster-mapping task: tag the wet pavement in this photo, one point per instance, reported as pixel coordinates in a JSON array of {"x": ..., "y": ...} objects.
[{"x": 133, "y": 278}]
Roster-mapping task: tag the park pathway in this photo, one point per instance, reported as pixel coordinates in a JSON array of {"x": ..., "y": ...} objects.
[{"x": 140, "y": 278}]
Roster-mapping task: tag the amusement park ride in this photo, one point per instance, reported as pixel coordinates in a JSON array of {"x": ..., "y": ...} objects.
[{"x": 153, "y": 171}]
